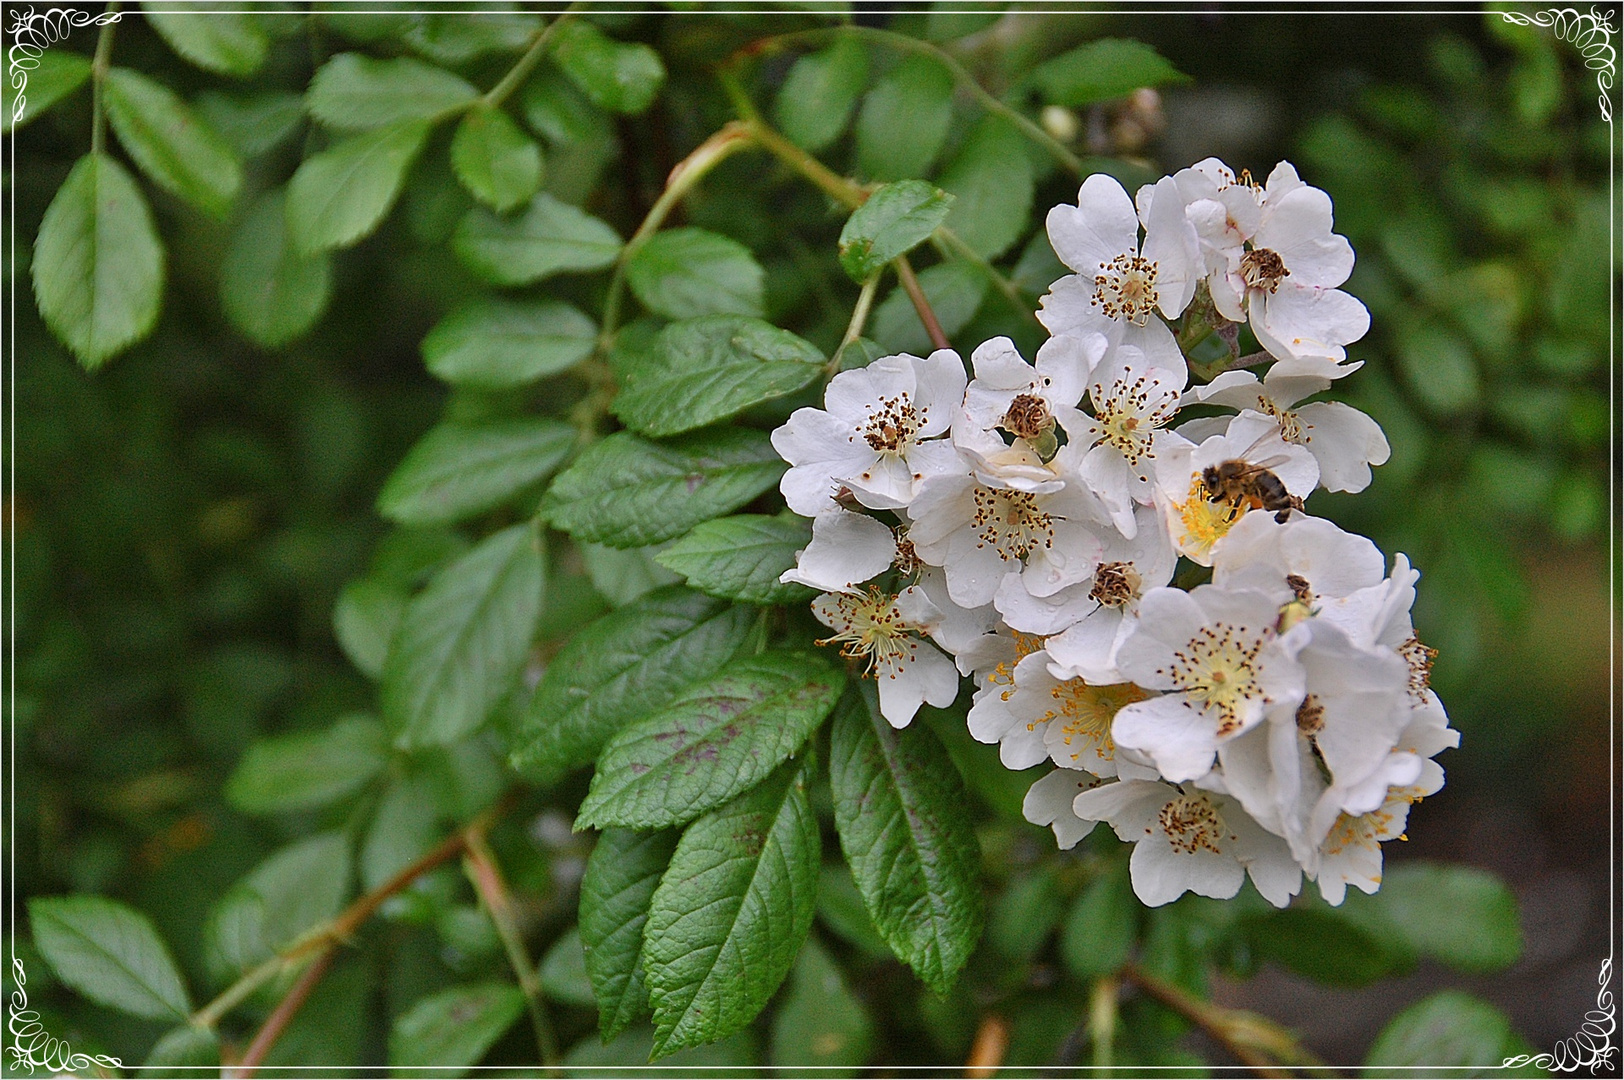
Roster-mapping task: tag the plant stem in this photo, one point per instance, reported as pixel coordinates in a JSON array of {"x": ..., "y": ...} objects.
[
  {"x": 480, "y": 864},
  {"x": 987, "y": 1052},
  {"x": 1209, "y": 372},
  {"x": 854, "y": 329},
  {"x": 1237, "y": 1031},
  {"x": 949, "y": 241},
  {"x": 910, "y": 285},
  {"x": 1032, "y": 130},
  {"x": 285, "y": 1010},
  {"x": 98, "y": 75},
  {"x": 837, "y": 187},
  {"x": 1102, "y": 1021},
  {"x": 527, "y": 63}
]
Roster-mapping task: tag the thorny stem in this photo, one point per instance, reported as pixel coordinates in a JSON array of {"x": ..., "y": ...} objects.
[
  {"x": 910, "y": 285},
  {"x": 854, "y": 329},
  {"x": 1102, "y": 1021},
  {"x": 272, "y": 1029},
  {"x": 1243, "y": 1034},
  {"x": 960, "y": 75},
  {"x": 98, "y": 75},
  {"x": 480, "y": 863},
  {"x": 527, "y": 63}
]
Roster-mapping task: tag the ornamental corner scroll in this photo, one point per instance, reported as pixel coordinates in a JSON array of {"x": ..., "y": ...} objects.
[
  {"x": 32, "y": 1047},
  {"x": 31, "y": 33},
  {"x": 1591, "y": 33},
  {"x": 1591, "y": 1048}
]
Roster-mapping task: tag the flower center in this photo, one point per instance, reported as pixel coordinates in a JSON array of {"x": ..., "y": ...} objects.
[
  {"x": 1263, "y": 269},
  {"x": 1125, "y": 288},
  {"x": 1217, "y": 670},
  {"x": 1192, "y": 824},
  {"x": 907, "y": 559},
  {"x": 1420, "y": 658},
  {"x": 1115, "y": 584},
  {"x": 890, "y": 428},
  {"x": 1011, "y": 522},
  {"x": 1311, "y": 716},
  {"x": 871, "y": 628},
  {"x": 1205, "y": 521},
  {"x": 1028, "y": 417},
  {"x": 1085, "y": 713},
  {"x": 1004, "y": 674},
  {"x": 1129, "y": 416}
]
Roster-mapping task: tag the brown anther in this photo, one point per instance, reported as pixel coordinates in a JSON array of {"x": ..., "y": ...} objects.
[
  {"x": 1115, "y": 584},
  {"x": 1310, "y": 716},
  {"x": 1300, "y": 588},
  {"x": 1263, "y": 269},
  {"x": 1028, "y": 417}
]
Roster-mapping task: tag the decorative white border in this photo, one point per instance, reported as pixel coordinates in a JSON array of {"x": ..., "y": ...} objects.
[
  {"x": 1591, "y": 33},
  {"x": 32, "y": 32},
  {"x": 1591, "y": 1049},
  {"x": 33, "y": 1047}
]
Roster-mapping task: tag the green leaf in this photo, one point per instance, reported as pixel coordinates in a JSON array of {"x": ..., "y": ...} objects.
[
  {"x": 820, "y": 1024},
  {"x": 682, "y": 273},
  {"x": 403, "y": 829},
  {"x": 955, "y": 291},
  {"x": 1024, "y": 915},
  {"x": 310, "y": 769},
  {"x": 993, "y": 181},
  {"x": 819, "y": 92},
  {"x": 1100, "y": 930},
  {"x": 1102, "y": 70},
  {"x": 493, "y": 343},
  {"x": 341, "y": 194},
  {"x": 711, "y": 368},
  {"x": 1326, "y": 945},
  {"x": 498, "y": 164},
  {"x": 957, "y": 19},
  {"x": 904, "y": 120},
  {"x": 364, "y": 621},
  {"x": 717, "y": 739},
  {"x": 98, "y": 265},
  {"x": 458, "y": 470},
  {"x": 896, "y": 219},
  {"x": 459, "y": 38},
  {"x": 270, "y": 292},
  {"x": 841, "y": 908},
  {"x": 252, "y": 123},
  {"x": 556, "y": 110},
  {"x": 551, "y": 237},
  {"x": 626, "y": 665},
  {"x": 463, "y": 639},
  {"x": 1447, "y": 1029},
  {"x": 901, "y": 811},
  {"x": 446, "y": 1033},
  {"x": 620, "y": 76},
  {"x": 110, "y": 953},
  {"x": 1482, "y": 932},
  {"x": 621, "y": 575},
  {"x": 182, "y": 1048},
  {"x": 56, "y": 74},
  {"x": 297, "y": 887},
  {"x": 731, "y": 913},
  {"x": 215, "y": 38},
  {"x": 174, "y": 148},
  {"x": 622, "y": 873},
  {"x": 741, "y": 557},
  {"x": 563, "y": 971},
  {"x": 353, "y": 92},
  {"x": 625, "y": 491}
]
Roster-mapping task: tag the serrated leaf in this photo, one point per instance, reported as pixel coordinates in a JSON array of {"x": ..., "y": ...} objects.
[
  {"x": 955, "y": 291},
  {"x": 463, "y": 639},
  {"x": 620, "y": 76},
  {"x": 341, "y": 194},
  {"x": 456, "y": 38},
  {"x": 446, "y": 1033},
  {"x": 741, "y": 557},
  {"x": 186, "y": 1047},
  {"x": 563, "y": 971},
  {"x": 626, "y": 665},
  {"x": 896, "y": 219},
  {"x": 354, "y": 92},
  {"x": 109, "y": 952},
  {"x": 707, "y": 369},
  {"x": 98, "y": 265},
  {"x": 622, "y": 873},
  {"x": 498, "y": 164},
  {"x": 270, "y": 292},
  {"x": 621, "y": 575},
  {"x": 402, "y": 829},
  {"x": 364, "y": 620},
  {"x": 1482, "y": 932},
  {"x": 294, "y": 889},
  {"x": 687, "y": 272},
  {"x": 310, "y": 769},
  {"x": 626, "y": 491},
  {"x": 1449, "y": 1028},
  {"x": 900, "y": 808},
  {"x": 493, "y": 343},
  {"x": 172, "y": 145},
  {"x": 1102, "y": 70},
  {"x": 214, "y": 38},
  {"x": 551, "y": 237},
  {"x": 820, "y": 1024},
  {"x": 718, "y": 738},
  {"x": 731, "y": 912},
  {"x": 458, "y": 470},
  {"x": 1099, "y": 933},
  {"x": 819, "y": 92},
  {"x": 993, "y": 181},
  {"x": 55, "y": 74},
  {"x": 904, "y": 120},
  {"x": 252, "y": 123}
]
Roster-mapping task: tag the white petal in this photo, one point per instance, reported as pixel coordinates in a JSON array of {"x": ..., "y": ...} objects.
[
  {"x": 1345, "y": 442},
  {"x": 846, "y": 549},
  {"x": 1298, "y": 229},
  {"x": 1171, "y": 243},
  {"x": 1300, "y": 320},
  {"x": 931, "y": 677},
  {"x": 1162, "y": 875},
  {"x": 1048, "y": 802},
  {"x": 1178, "y": 737},
  {"x": 1100, "y": 227}
]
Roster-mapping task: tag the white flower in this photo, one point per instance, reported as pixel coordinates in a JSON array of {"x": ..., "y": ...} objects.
[
  {"x": 1010, "y": 396},
  {"x": 979, "y": 533},
  {"x": 1048, "y": 802},
  {"x": 1224, "y": 211},
  {"x": 1344, "y": 441},
  {"x": 966, "y": 633},
  {"x": 1307, "y": 559},
  {"x": 1351, "y": 852},
  {"x": 846, "y": 550},
  {"x": 1115, "y": 450},
  {"x": 874, "y": 436},
  {"x": 1188, "y": 840},
  {"x": 1286, "y": 282},
  {"x": 1216, "y": 654},
  {"x": 884, "y": 630}
]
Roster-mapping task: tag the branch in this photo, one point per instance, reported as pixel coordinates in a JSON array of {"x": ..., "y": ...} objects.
[
  {"x": 520, "y": 71},
  {"x": 910, "y": 284},
  {"x": 286, "y": 1009},
  {"x": 98, "y": 75},
  {"x": 480, "y": 863},
  {"x": 1237, "y": 1031},
  {"x": 987, "y": 1052}
]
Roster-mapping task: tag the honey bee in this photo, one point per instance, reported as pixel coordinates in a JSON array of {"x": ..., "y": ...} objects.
[{"x": 1237, "y": 481}]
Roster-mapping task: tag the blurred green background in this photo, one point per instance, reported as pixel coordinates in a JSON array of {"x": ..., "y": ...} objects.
[{"x": 185, "y": 517}]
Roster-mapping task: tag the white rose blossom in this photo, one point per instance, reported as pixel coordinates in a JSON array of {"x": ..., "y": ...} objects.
[{"x": 885, "y": 632}]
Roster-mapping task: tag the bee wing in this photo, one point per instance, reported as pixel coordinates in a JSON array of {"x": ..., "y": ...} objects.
[
  {"x": 1271, "y": 463},
  {"x": 1274, "y": 461}
]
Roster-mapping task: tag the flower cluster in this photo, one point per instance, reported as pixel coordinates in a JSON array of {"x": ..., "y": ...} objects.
[{"x": 1022, "y": 523}]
